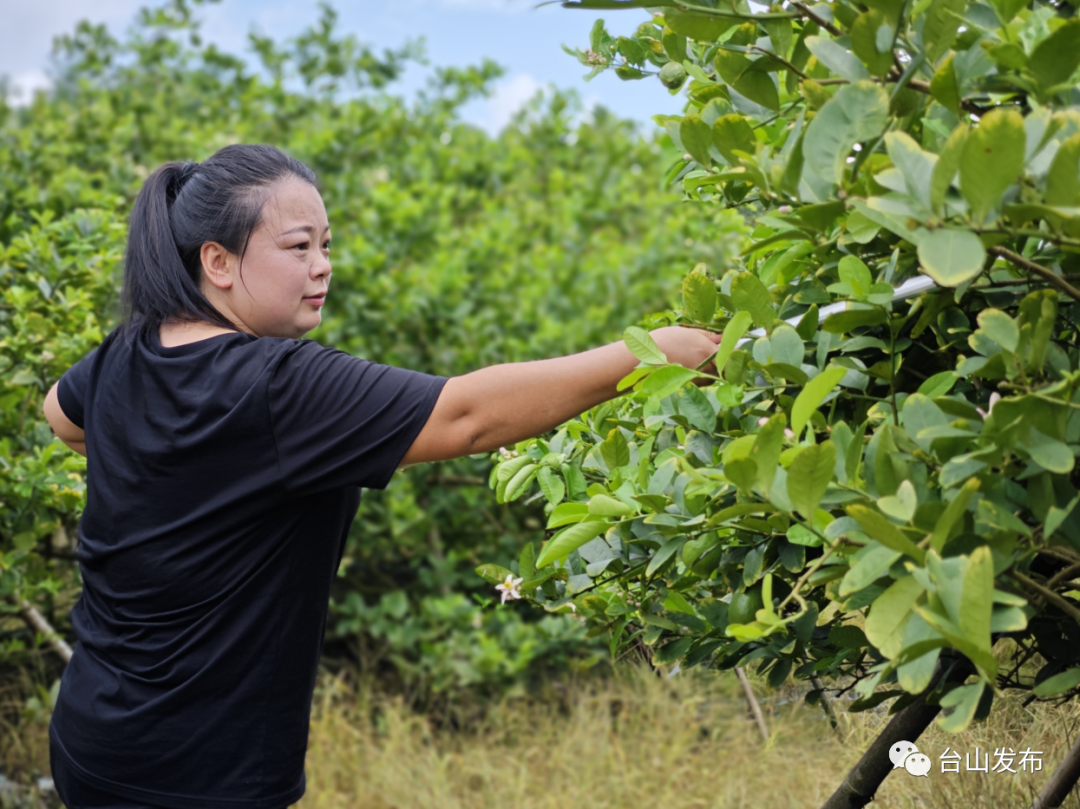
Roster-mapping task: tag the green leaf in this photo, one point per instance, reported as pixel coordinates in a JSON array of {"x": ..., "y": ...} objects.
[
  {"x": 665, "y": 552},
  {"x": 787, "y": 346},
  {"x": 701, "y": 27},
  {"x": 861, "y": 229},
  {"x": 916, "y": 165},
  {"x": 750, "y": 295},
  {"x": 734, "y": 331},
  {"x": 731, "y": 132},
  {"x": 977, "y": 598},
  {"x": 857, "y": 113},
  {"x": 493, "y": 574},
  {"x": 643, "y": 346},
  {"x": 951, "y": 257},
  {"x": 812, "y": 395},
  {"x": 955, "y": 510},
  {"x": 632, "y": 378},
  {"x": 779, "y": 35},
  {"x": 943, "y": 20},
  {"x": 809, "y": 476},
  {"x": 601, "y": 505},
  {"x": 766, "y": 450},
  {"x": 945, "y": 87},
  {"x": 992, "y": 160},
  {"x": 869, "y": 565},
  {"x": 963, "y": 700},
  {"x": 864, "y": 36},
  {"x": 890, "y": 613},
  {"x": 1007, "y": 9},
  {"x": 838, "y": 60},
  {"x": 697, "y": 408},
  {"x": 699, "y": 297},
  {"x": 1063, "y": 178},
  {"x": 808, "y": 325},
  {"x": 856, "y": 274},
  {"x": 1058, "y": 684},
  {"x": 551, "y": 485},
  {"x": 696, "y": 138},
  {"x": 614, "y": 449},
  {"x": 947, "y": 166},
  {"x": 878, "y": 527},
  {"x": 527, "y": 562},
  {"x": 843, "y": 322},
  {"x": 1056, "y": 58},
  {"x": 567, "y": 514},
  {"x": 742, "y": 472},
  {"x": 759, "y": 88},
  {"x": 508, "y": 469},
  {"x": 569, "y": 540},
  {"x": 1049, "y": 453},
  {"x": 938, "y": 385},
  {"x": 1000, "y": 328},
  {"x": 667, "y": 380},
  {"x": 900, "y": 506},
  {"x": 520, "y": 482},
  {"x": 920, "y": 413}
]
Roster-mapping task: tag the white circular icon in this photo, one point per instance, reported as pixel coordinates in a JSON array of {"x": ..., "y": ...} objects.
[
  {"x": 917, "y": 763},
  {"x": 900, "y": 751}
]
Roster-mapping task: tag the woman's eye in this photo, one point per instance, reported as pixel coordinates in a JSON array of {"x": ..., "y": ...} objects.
[
  {"x": 326, "y": 245},
  {"x": 301, "y": 246}
]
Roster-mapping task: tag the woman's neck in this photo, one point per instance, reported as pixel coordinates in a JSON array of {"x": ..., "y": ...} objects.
[{"x": 177, "y": 333}]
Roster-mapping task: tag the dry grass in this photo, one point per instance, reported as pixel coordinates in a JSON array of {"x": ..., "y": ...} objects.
[
  {"x": 642, "y": 741},
  {"x": 629, "y": 741}
]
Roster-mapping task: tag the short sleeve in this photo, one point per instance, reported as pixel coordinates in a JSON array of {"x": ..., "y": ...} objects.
[
  {"x": 72, "y": 388},
  {"x": 339, "y": 420}
]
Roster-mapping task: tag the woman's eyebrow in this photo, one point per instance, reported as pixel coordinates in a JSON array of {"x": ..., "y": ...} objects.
[{"x": 301, "y": 229}]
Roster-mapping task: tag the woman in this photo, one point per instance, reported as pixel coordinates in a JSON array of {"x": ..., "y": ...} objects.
[{"x": 225, "y": 457}]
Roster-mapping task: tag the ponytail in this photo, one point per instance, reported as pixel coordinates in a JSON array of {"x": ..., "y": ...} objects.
[{"x": 180, "y": 207}]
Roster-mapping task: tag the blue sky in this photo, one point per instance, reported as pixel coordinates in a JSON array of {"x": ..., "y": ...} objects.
[{"x": 524, "y": 39}]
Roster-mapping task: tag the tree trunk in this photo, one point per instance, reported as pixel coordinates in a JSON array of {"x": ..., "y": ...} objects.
[
  {"x": 866, "y": 776},
  {"x": 1062, "y": 781}
]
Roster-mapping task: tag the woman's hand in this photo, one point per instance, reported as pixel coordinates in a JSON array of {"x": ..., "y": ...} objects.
[{"x": 688, "y": 347}]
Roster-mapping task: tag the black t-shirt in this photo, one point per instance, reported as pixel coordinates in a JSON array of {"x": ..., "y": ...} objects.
[{"x": 222, "y": 477}]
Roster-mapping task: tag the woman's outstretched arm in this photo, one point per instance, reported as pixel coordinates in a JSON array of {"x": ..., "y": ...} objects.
[{"x": 503, "y": 404}]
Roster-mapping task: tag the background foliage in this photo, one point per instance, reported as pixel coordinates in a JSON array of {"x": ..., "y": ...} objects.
[{"x": 452, "y": 250}]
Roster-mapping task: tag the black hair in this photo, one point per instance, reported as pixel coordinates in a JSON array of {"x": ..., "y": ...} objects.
[{"x": 180, "y": 207}]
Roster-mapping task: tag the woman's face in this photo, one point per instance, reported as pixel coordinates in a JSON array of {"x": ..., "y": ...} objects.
[{"x": 278, "y": 288}]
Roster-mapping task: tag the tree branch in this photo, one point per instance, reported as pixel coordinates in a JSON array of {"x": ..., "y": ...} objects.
[
  {"x": 1047, "y": 595},
  {"x": 821, "y": 21},
  {"x": 1039, "y": 270}
]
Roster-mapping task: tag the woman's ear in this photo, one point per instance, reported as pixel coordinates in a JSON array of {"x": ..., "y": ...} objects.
[{"x": 218, "y": 264}]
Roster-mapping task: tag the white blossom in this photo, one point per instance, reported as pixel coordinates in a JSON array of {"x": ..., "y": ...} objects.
[
  {"x": 510, "y": 589},
  {"x": 994, "y": 399}
]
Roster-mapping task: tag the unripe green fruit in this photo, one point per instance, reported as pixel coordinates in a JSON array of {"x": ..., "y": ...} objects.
[
  {"x": 744, "y": 606},
  {"x": 672, "y": 75}
]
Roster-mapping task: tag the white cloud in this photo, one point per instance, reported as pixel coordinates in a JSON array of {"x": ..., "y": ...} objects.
[
  {"x": 28, "y": 29},
  {"x": 24, "y": 85},
  {"x": 510, "y": 95}
]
